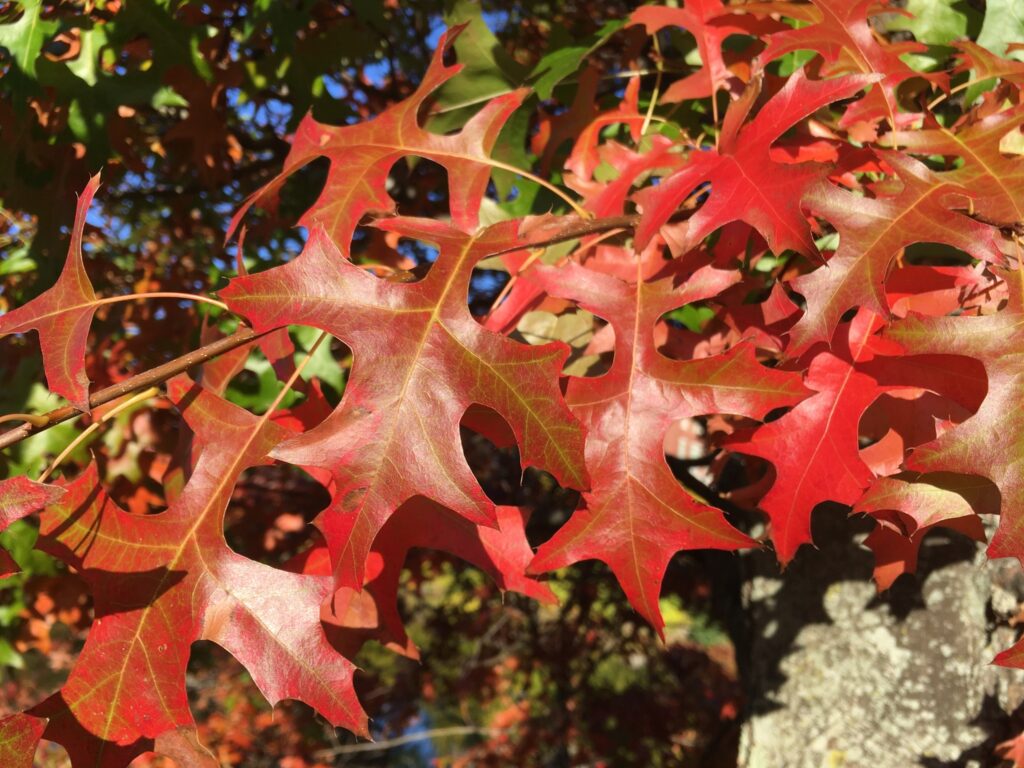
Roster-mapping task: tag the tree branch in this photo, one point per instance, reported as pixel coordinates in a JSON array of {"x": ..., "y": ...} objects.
[
  {"x": 163, "y": 372},
  {"x": 581, "y": 229},
  {"x": 408, "y": 738},
  {"x": 680, "y": 468},
  {"x": 144, "y": 380}
]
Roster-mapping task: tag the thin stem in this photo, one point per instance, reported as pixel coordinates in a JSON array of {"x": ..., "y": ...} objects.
[
  {"x": 95, "y": 426},
  {"x": 152, "y": 295},
  {"x": 512, "y": 281},
  {"x": 624, "y": 74},
  {"x": 165, "y": 371},
  {"x": 157, "y": 375},
  {"x": 164, "y": 295},
  {"x": 1020, "y": 263},
  {"x": 714, "y": 112},
  {"x": 31, "y": 418},
  {"x": 579, "y": 210},
  {"x": 408, "y": 738},
  {"x": 294, "y": 377},
  {"x": 582, "y": 229},
  {"x": 657, "y": 86},
  {"x": 956, "y": 89},
  {"x": 529, "y": 263}
]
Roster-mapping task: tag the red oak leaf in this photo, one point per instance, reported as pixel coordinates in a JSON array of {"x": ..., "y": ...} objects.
[
  {"x": 395, "y": 433},
  {"x": 906, "y": 511},
  {"x": 871, "y": 233},
  {"x": 353, "y": 617},
  {"x": 361, "y": 157},
  {"x": 746, "y": 184},
  {"x": 815, "y": 446},
  {"x": 20, "y": 497},
  {"x": 814, "y": 451},
  {"x": 8, "y": 565},
  {"x": 990, "y": 443},
  {"x": 637, "y": 516},
  {"x": 602, "y": 198},
  {"x": 62, "y": 316},
  {"x": 161, "y": 582},
  {"x": 899, "y": 421},
  {"x": 941, "y": 290},
  {"x": 1012, "y": 750},
  {"x": 582, "y": 123},
  {"x": 840, "y": 32},
  {"x": 19, "y": 736},
  {"x": 710, "y": 22},
  {"x": 983, "y": 64},
  {"x": 994, "y": 180},
  {"x": 608, "y": 197}
]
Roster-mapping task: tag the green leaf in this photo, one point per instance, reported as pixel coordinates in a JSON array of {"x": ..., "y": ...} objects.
[
  {"x": 322, "y": 364},
  {"x": 938, "y": 22},
  {"x": 1004, "y": 24},
  {"x": 487, "y": 70},
  {"x": 17, "y": 261},
  {"x": 26, "y": 36},
  {"x": 559, "y": 64},
  {"x": 166, "y": 96},
  {"x": 10, "y": 657}
]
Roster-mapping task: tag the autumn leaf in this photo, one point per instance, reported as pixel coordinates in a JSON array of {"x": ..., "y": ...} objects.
[
  {"x": 990, "y": 443},
  {"x": 62, "y": 316},
  {"x": 815, "y": 447},
  {"x": 906, "y": 511},
  {"x": 993, "y": 178},
  {"x": 355, "y": 616},
  {"x": 161, "y": 582},
  {"x": 840, "y": 32},
  {"x": 19, "y": 736},
  {"x": 361, "y": 157},
  {"x": 396, "y": 435},
  {"x": 711, "y": 23},
  {"x": 814, "y": 451},
  {"x": 871, "y": 233},
  {"x": 20, "y": 497},
  {"x": 582, "y": 124},
  {"x": 983, "y": 64},
  {"x": 741, "y": 171},
  {"x": 637, "y": 516}
]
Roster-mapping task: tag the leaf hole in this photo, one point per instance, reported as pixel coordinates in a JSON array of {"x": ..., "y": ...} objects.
[
  {"x": 684, "y": 333},
  {"x": 936, "y": 254},
  {"x": 223, "y": 696},
  {"x": 590, "y": 338},
  {"x": 490, "y": 448},
  {"x": 300, "y": 191},
  {"x": 489, "y": 445},
  {"x": 488, "y": 286},
  {"x": 419, "y": 187},
  {"x": 154, "y": 434},
  {"x": 51, "y": 753},
  {"x": 270, "y": 511}
]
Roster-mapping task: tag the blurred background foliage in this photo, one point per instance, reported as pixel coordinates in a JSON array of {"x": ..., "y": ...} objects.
[{"x": 186, "y": 107}]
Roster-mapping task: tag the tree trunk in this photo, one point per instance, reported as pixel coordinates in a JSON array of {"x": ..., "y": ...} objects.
[{"x": 838, "y": 675}]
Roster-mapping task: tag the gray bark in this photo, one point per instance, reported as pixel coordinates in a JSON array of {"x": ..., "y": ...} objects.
[{"x": 841, "y": 676}]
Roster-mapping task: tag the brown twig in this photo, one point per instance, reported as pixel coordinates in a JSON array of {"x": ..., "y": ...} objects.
[
  {"x": 163, "y": 372},
  {"x": 408, "y": 738},
  {"x": 142, "y": 381},
  {"x": 581, "y": 229}
]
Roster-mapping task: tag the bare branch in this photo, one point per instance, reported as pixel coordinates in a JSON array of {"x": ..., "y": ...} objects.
[
  {"x": 136, "y": 383},
  {"x": 160, "y": 374}
]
